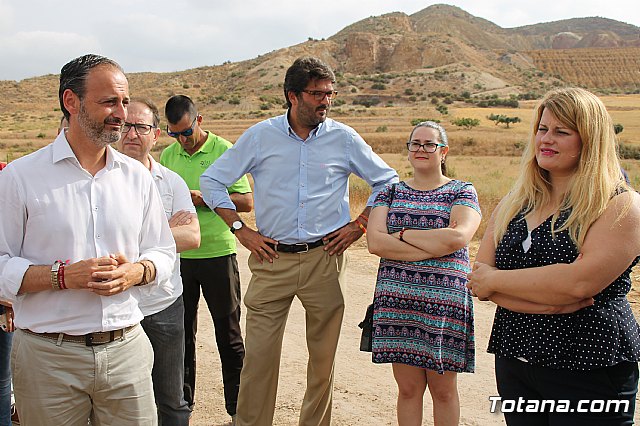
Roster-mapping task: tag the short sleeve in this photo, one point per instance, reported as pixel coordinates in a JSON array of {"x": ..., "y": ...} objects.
[
  {"x": 468, "y": 197},
  {"x": 382, "y": 199}
]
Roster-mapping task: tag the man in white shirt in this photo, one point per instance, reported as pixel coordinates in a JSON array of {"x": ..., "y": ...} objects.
[
  {"x": 163, "y": 307},
  {"x": 81, "y": 224}
]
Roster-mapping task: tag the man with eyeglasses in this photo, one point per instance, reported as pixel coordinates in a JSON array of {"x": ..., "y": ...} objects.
[
  {"x": 301, "y": 162},
  {"x": 213, "y": 267},
  {"x": 81, "y": 225},
  {"x": 163, "y": 307}
]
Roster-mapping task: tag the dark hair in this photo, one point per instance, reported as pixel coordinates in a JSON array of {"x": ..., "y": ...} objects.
[
  {"x": 303, "y": 71},
  {"x": 177, "y": 106},
  {"x": 152, "y": 107},
  {"x": 73, "y": 75},
  {"x": 442, "y": 138}
]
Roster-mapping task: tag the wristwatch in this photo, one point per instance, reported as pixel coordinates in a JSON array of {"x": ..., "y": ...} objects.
[{"x": 235, "y": 226}]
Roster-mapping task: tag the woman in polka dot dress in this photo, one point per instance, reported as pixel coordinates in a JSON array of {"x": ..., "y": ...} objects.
[
  {"x": 423, "y": 312},
  {"x": 556, "y": 259}
]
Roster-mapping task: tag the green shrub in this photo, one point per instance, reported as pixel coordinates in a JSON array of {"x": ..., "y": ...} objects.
[
  {"x": 629, "y": 152},
  {"x": 466, "y": 122}
]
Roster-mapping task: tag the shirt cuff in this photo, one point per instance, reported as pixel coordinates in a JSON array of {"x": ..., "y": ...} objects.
[
  {"x": 163, "y": 268},
  {"x": 13, "y": 275}
]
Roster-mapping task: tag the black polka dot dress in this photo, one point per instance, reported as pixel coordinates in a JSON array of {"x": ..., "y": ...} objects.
[{"x": 597, "y": 336}]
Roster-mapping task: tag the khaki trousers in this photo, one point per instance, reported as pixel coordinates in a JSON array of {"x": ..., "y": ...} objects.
[
  {"x": 316, "y": 279},
  {"x": 69, "y": 383}
]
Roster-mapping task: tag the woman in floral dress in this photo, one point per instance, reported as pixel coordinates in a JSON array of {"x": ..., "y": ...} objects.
[{"x": 423, "y": 312}]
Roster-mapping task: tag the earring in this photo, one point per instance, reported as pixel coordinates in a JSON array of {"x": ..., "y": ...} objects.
[{"x": 442, "y": 160}]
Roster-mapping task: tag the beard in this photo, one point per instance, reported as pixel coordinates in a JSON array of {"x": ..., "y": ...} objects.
[
  {"x": 96, "y": 131},
  {"x": 308, "y": 114}
]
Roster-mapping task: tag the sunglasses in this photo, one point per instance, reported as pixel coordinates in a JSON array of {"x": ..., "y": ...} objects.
[{"x": 185, "y": 133}]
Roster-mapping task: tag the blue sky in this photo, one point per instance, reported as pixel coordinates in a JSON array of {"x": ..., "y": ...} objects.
[{"x": 39, "y": 36}]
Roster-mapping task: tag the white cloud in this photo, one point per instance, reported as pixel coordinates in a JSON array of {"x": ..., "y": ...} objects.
[
  {"x": 39, "y": 36},
  {"x": 41, "y": 52}
]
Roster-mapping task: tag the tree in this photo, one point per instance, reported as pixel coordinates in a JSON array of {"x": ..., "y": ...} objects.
[
  {"x": 466, "y": 122},
  {"x": 503, "y": 119}
]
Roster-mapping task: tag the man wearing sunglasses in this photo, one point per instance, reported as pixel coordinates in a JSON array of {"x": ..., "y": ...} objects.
[
  {"x": 213, "y": 267},
  {"x": 301, "y": 162},
  {"x": 163, "y": 307}
]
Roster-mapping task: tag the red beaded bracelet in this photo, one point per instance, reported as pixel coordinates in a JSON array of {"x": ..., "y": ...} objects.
[
  {"x": 401, "y": 234},
  {"x": 361, "y": 226},
  {"x": 61, "y": 283}
]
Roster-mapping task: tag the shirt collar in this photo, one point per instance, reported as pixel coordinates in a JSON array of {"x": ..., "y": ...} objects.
[
  {"x": 62, "y": 150},
  {"x": 312, "y": 133},
  {"x": 155, "y": 170}
]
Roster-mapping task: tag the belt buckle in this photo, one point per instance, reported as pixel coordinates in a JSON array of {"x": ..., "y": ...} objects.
[
  {"x": 88, "y": 340},
  {"x": 99, "y": 338},
  {"x": 305, "y": 245}
]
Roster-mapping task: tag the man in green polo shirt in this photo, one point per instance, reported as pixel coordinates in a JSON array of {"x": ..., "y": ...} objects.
[{"x": 212, "y": 267}]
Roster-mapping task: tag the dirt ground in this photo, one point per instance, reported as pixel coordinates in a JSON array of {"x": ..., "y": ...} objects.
[{"x": 364, "y": 393}]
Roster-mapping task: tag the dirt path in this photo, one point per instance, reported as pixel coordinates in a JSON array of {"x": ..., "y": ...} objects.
[{"x": 364, "y": 393}]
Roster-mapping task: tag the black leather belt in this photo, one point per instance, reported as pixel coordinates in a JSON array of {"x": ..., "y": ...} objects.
[
  {"x": 90, "y": 339},
  {"x": 296, "y": 248}
]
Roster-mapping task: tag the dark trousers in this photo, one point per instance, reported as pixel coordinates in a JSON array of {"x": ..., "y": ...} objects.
[
  {"x": 219, "y": 279},
  {"x": 595, "y": 388},
  {"x": 5, "y": 375},
  {"x": 165, "y": 330}
]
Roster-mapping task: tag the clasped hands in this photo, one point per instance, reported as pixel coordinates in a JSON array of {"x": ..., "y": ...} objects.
[{"x": 105, "y": 276}]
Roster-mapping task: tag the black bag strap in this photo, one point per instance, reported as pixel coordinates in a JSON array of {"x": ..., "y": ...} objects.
[{"x": 392, "y": 193}]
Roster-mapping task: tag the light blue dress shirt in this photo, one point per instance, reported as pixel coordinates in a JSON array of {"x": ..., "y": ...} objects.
[{"x": 301, "y": 188}]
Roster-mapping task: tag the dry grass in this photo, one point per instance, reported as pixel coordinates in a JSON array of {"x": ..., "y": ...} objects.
[{"x": 487, "y": 155}]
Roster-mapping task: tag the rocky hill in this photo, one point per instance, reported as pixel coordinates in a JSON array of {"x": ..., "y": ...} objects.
[{"x": 397, "y": 59}]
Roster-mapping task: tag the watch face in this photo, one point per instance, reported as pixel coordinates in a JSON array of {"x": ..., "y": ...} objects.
[{"x": 236, "y": 225}]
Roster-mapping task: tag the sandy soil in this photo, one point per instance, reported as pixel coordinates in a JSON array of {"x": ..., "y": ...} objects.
[{"x": 364, "y": 393}]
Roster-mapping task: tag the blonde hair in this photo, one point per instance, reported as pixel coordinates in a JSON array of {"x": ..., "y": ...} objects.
[{"x": 597, "y": 176}]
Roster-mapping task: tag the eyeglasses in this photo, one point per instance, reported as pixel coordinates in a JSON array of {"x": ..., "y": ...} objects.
[
  {"x": 185, "y": 133},
  {"x": 141, "y": 129},
  {"x": 319, "y": 95},
  {"x": 427, "y": 147}
]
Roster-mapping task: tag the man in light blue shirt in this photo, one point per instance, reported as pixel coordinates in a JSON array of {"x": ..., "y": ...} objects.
[{"x": 301, "y": 162}]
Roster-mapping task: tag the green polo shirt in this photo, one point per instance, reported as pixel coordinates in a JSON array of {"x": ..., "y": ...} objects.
[{"x": 215, "y": 238}]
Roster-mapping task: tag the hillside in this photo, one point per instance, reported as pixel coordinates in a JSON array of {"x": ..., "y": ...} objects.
[
  {"x": 439, "y": 54},
  {"x": 591, "y": 67}
]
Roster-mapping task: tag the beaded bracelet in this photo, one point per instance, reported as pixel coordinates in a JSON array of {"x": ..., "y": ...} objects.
[
  {"x": 361, "y": 226},
  {"x": 365, "y": 218},
  {"x": 61, "y": 283},
  {"x": 401, "y": 234},
  {"x": 146, "y": 273}
]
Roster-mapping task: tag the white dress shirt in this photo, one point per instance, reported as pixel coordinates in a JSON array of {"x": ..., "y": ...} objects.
[
  {"x": 52, "y": 209},
  {"x": 175, "y": 196}
]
